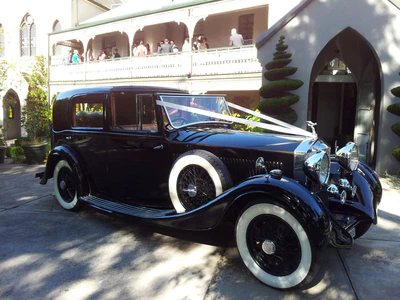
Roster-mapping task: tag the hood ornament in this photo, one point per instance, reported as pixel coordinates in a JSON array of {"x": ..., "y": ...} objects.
[{"x": 312, "y": 125}]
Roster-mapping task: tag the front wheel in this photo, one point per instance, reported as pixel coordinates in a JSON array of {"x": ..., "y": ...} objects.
[
  {"x": 65, "y": 186},
  {"x": 274, "y": 246}
]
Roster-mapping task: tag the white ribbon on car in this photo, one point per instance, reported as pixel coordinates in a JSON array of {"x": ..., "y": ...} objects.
[{"x": 283, "y": 128}]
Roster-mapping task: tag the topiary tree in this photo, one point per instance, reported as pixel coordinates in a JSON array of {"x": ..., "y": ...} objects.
[
  {"x": 395, "y": 109},
  {"x": 276, "y": 93},
  {"x": 36, "y": 112}
]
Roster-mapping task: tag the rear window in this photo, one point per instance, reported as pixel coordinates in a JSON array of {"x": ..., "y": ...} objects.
[{"x": 88, "y": 112}]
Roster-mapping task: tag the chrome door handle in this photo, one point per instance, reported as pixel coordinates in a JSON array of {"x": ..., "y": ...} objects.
[{"x": 160, "y": 147}]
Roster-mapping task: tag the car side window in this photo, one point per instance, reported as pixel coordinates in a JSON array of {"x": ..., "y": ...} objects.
[
  {"x": 133, "y": 112},
  {"x": 88, "y": 112}
]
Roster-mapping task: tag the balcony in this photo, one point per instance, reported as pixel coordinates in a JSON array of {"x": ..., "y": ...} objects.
[{"x": 218, "y": 61}]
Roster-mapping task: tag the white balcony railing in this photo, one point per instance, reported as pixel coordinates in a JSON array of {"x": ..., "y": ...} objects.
[{"x": 203, "y": 62}]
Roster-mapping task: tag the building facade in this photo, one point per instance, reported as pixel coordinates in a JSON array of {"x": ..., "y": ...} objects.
[
  {"x": 348, "y": 55},
  {"x": 24, "y": 29}
]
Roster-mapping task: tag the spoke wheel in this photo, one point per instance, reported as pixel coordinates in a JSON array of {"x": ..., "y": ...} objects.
[
  {"x": 65, "y": 186},
  {"x": 195, "y": 187},
  {"x": 196, "y": 178},
  {"x": 274, "y": 246}
]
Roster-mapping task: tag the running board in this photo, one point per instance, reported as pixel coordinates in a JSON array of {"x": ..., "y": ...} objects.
[{"x": 126, "y": 209}]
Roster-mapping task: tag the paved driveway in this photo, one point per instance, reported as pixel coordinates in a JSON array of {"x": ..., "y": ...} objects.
[{"x": 49, "y": 253}]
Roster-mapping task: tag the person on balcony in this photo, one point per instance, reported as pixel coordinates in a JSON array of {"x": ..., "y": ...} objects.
[
  {"x": 102, "y": 55},
  {"x": 197, "y": 42},
  {"x": 90, "y": 56},
  {"x": 135, "y": 50},
  {"x": 148, "y": 49},
  {"x": 115, "y": 53},
  {"x": 186, "y": 46},
  {"x": 174, "y": 47},
  {"x": 141, "y": 49},
  {"x": 165, "y": 47},
  {"x": 159, "y": 46},
  {"x": 75, "y": 57},
  {"x": 235, "y": 39},
  {"x": 203, "y": 44},
  {"x": 67, "y": 59}
]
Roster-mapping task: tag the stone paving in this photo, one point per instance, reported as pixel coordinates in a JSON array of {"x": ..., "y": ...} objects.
[{"x": 49, "y": 253}]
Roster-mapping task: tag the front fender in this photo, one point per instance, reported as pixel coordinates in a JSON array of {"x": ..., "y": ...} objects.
[
  {"x": 286, "y": 192},
  {"x": 369, "y": 193}
]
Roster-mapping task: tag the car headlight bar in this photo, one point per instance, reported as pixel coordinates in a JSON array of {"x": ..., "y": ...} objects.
[
  {"x": 317, "y": 167},
  {"x": 348, "y": 156}
]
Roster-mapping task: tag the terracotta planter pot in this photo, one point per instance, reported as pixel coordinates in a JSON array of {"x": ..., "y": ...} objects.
[
  {"x": 35, "y": 154},
  {"x": 2, "y": 154}
]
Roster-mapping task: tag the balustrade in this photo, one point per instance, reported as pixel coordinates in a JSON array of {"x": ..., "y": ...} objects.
[{"x": 203, "y": 62}]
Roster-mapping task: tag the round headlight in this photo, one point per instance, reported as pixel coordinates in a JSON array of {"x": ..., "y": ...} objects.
[
  {"x": 317, "y": 167},
  {"x": 348, "y": 156}
]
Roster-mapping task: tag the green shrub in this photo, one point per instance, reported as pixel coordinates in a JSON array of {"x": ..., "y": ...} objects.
[
  {"x": 396, "y": 153},
  {"x": 280, "y": 55},
  {"x": 396, "y": 91},
  {"x": 275, "y": 88},
  {"x": 8, "y": 152},
  {"x": 277, "y": 74},
  {"x": 394, "y": 109},
  {"x": 279, "y": 63},
  {"x": 274, "y": 105},
  {"x": 16, "y": 153},
  {"x": 396, "y": 128}
]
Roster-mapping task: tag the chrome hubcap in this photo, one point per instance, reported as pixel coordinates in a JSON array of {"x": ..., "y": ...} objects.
[
  {"x": 192, "y": 190},
  {"x": 268, "y": 247},
  {"x": 63, "y": 185}
]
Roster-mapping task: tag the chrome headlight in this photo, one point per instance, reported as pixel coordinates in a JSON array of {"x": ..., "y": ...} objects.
[
  {"x": 317, "y": 167},
  {"x": 348, "y": 156}
]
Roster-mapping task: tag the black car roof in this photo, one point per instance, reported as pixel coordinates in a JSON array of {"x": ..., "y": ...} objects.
[{"x": 108, "y": 89}]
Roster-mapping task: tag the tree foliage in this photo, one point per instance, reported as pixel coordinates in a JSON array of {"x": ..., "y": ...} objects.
[
  {"x": 36, "y": 112},
  {"x": 276, "y": 92}
]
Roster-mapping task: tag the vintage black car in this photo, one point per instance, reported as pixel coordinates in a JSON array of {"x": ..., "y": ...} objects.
[{"x": 172, "y": 159}]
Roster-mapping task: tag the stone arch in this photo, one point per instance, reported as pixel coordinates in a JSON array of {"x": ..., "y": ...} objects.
[
  {"x": 330, "y": 94},
  {"x": 12, "y": 114}
]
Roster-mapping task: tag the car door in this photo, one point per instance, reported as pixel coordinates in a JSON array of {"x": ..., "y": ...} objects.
[
  {"x": 138, "y": 157},
  {"x": 87, "y": 136}
]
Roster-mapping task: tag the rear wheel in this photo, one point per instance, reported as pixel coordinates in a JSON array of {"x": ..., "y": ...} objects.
[
  {"x": 65, "y": 188},
  {"x": 274, "y": 246}
]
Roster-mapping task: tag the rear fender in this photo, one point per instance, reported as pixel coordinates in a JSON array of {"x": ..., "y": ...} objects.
[{"x": 64, "y": 152}]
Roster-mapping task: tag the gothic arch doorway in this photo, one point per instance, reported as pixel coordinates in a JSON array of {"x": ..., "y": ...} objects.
[
  {"x": 12, "y": 115},
  {"x": 345, "y": 93}
]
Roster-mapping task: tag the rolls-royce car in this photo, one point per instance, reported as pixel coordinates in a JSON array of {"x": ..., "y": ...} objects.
[{"x": 174, "y": 159}]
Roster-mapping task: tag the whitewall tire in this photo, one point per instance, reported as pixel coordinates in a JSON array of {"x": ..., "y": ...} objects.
[
  {"x": 65, "y": 186},
  {"x": 196, "y": 178},
  {"x": 274, "y": 246}
]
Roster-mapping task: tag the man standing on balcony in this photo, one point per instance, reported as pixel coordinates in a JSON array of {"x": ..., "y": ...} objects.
[
  {"x": 166, "y": 47},
  {"x": 235, "y": 39}
]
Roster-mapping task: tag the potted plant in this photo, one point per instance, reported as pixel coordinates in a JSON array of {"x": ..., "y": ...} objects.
[
  {"x": 36, "y": 115},
  {"x": 3, "y": 144}
]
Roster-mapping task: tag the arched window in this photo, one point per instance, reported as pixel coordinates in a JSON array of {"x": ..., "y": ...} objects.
[
  {"x": 28, "y": 36},
  {"x": 57, "y": 49},
  {"x": 2, "y": 44}
]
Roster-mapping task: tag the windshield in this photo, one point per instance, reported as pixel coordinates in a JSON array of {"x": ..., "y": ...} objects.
[{"x": 184, "y": 110}]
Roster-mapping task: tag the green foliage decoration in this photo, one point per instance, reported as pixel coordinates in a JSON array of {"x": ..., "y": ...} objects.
[
  {"x": 395, "y": 109},
  {"x": 276, "y": 92},
  {"x": 396, "y": 153},
  {"x": 396, "y": 128},
  {"x": 275, "y": 74},
  {"x": 36, "y": 112}
]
